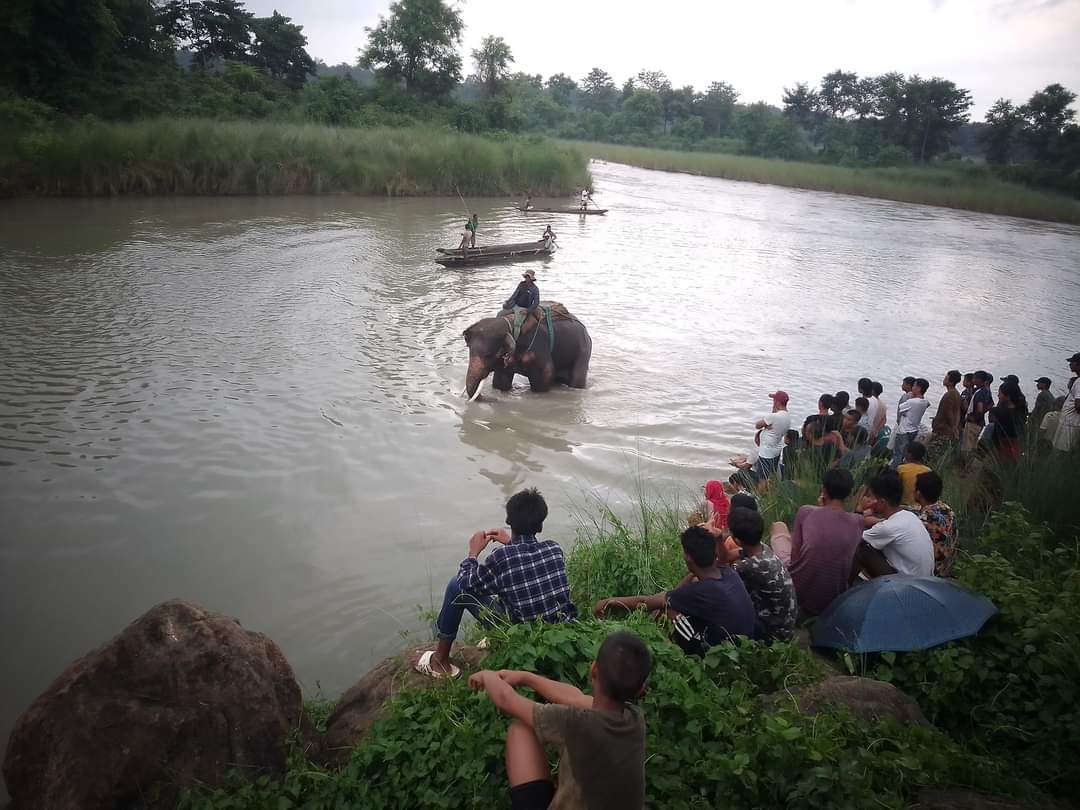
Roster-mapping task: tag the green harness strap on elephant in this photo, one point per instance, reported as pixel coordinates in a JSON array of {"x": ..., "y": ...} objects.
[{"x": 521, "y": 315}]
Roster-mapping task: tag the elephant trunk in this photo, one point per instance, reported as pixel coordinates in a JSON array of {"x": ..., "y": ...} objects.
[{"x": 477, "y": 372}]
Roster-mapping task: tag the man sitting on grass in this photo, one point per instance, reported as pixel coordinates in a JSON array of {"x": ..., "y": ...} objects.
[
  {"x": 601, "y": 738},
  {"x": 766, "y": 578},
  {"x": 895, "y": 540},
  {"x": 708, "y": 607},
  {"x": 523, "y": 579},
  {"x": 939, "y": 519}
]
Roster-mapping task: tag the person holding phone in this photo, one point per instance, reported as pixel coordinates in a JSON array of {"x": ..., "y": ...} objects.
[{"x": 523, "y": 579}]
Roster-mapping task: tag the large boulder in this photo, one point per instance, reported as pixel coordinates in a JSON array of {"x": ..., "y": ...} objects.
[
  {"x": 363, "y": 703},
  {"x": 182, "y": 694},
  {"x": 865, "y": 698}
]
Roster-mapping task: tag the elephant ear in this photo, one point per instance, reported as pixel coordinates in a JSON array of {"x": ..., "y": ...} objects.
[{"x": 467, "y": 334}]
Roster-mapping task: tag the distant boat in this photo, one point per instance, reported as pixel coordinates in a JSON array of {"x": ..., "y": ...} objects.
[
  {"x": 492, "y": 254},
  {"x": 535, "y": 210}
]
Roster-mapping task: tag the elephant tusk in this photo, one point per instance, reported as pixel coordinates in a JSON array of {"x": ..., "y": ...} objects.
[{"x": 476, "y": 396}]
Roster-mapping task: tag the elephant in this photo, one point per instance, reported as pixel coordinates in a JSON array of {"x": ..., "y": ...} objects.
[{"x": 493, "y": 350}]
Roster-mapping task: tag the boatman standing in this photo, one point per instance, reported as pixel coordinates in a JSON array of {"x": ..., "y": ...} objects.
[
  {"x": 527, "y": 294},
  {"x": 586, "y": 198},
  {"x": 549, "y": 237},
  {"x": 468, "y": 238}
]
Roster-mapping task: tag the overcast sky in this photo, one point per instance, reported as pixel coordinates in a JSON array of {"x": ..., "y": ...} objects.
[{"x": 993, "y": 48}]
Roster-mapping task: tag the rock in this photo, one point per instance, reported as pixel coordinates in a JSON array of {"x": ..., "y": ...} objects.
[
  {"x": 865, "y": 698},
  {"x": 363, "y": 703},
  {"x": 182, "y": 694},
  {"x": 965, "y": 800}
]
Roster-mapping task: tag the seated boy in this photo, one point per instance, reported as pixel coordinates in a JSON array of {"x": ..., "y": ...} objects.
[
  {"x": 939, "y": 519},
  {"x": 896, "y": 541},
  {"x": 522, "y": 579},
  {"x": 708, "y": 607},
  {"x": 601, "y": 738},
  {"x": 766, "y": 578},
  {"x": 912, "y": 468}
]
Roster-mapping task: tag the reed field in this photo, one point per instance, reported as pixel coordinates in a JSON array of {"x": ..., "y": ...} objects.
[
  {"x": 193, "y": 156},
  {"x": 971, "y": 187}
]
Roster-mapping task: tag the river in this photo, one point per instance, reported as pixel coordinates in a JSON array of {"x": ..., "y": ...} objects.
[{"x": 254, "y": 403}]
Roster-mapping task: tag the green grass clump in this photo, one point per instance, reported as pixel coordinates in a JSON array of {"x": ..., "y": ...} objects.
[
  {"x": 710, "y": 743},
  {"x": 193, "y": 156},
  {"x": 968, "y": 187}
]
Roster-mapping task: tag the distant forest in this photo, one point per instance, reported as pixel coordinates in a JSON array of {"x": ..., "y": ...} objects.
[{"x": 134, "y": 59}]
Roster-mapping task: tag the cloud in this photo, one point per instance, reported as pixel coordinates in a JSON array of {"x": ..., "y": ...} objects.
[{"x": 1012, "y": 8}]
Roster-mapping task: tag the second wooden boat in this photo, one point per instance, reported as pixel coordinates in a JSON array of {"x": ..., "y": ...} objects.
[{"x": 536, "y": 210}]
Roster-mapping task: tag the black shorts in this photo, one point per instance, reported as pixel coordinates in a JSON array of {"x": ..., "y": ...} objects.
[{"x": 536, "y": 795}]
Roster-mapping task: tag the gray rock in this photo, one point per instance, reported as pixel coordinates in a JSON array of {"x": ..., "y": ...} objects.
[
  {"x": 865, "y": 698},
  {"x": 363, "y": 703},
  {"x": 182, "y": 694}
]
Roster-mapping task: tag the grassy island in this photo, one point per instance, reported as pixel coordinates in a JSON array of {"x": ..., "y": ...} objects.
[
  {"x": 194, "y": 156},
  {"x": 967, "y": 186},
  {"x": 726, "y": 731}
]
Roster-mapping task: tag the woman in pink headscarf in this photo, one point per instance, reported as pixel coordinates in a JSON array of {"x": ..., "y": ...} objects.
[{"x": 717, "y": 500}]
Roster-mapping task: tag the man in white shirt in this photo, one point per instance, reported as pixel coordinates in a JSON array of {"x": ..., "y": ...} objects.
[
  {"x": 910, "y": 413},
  {"x": 771, "y": 431},
  {"x": 1067, "y": 435},
  {"x": 896, "y": 541}
]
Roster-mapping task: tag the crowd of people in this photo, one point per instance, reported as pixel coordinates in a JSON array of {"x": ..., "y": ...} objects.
[{"x": 736, "y": 583}]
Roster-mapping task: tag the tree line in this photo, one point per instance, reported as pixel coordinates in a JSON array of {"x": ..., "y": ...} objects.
[{"x": 213, "y": 58}]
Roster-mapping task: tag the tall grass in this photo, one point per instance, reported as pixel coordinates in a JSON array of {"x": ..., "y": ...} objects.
[
  {"x": 193, "y": 156},
  {"x": 968, "y": 187}
]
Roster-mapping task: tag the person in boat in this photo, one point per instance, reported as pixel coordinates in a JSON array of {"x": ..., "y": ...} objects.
[
  {"x": 468, "y": 238},
  {"x": 586, "y": 198},
  {"x": 526, "y": 295},
  {"x": 527, "y": 205},
  {"x": 549, "y": 236}
]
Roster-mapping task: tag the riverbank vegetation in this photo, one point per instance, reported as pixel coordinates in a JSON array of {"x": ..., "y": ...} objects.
[
  {"x": 195, "y": 156},
  {"x": 892, "y": 135},
  {"x": 961, "y": 184},
  {"x": 1005, "y": 705}
]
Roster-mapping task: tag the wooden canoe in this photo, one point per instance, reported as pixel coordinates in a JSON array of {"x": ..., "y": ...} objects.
[
  {"x": 536, "y": 210},
  {"x": 492, "y": 254}
]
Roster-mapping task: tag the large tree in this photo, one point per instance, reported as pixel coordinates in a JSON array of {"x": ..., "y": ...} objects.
[
  {"x": 717, "y": 108},
  {"x": 598, "y": 91},
  {"x": 492, "y": 61},
  {"x": 1048, "y": 114},
  {"x": 801, "y": 105},
  {"x": 839, "y": 92},
  {"x": 562, "y": 88},
  {"x": 934, "y": 108},
  {"x": 279, "y": 48},
  {"x": 416, "y": 45},
  {"x": 1004, "y": 122},
  {"x": 644, "y": 110},
  {"x": 212, "y": 30}
]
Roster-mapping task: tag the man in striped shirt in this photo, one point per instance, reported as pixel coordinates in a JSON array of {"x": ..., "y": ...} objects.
[{"x": 523, "y": 579}]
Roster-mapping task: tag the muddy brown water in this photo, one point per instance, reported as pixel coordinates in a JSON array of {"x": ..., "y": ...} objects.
[{"x": 254, "y": 403}]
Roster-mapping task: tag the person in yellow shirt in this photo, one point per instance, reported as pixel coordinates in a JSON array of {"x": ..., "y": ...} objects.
[{"x": 911, "y": 469}]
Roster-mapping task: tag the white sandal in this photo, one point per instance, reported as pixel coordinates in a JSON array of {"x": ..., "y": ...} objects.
[{"x": 423, "y": 666}]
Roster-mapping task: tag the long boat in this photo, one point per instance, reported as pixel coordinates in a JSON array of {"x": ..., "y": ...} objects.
[
  {"x": 535, "y": 210},
  {"x": 492, "y": 254}
]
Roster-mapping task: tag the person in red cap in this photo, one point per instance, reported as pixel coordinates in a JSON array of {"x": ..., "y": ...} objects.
[{"x": 771, "y": 431}]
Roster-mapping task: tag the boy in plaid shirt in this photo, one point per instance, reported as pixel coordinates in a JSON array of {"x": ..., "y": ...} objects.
[{"x": 523, "y": 579}]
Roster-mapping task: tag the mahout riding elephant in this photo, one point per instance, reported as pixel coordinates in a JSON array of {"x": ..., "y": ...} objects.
[{"x": 493, "y": 349}]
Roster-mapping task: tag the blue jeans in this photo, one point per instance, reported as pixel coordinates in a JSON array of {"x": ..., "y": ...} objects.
[
  {"x": 900, "y": 447},
  {"x": 455, "y": 603},
  {"x": 765, "y": 468}
]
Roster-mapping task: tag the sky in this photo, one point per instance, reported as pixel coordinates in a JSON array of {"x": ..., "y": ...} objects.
[{"x": 994, "y": 48}]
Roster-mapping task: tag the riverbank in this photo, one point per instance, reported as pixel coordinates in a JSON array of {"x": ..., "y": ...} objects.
[
  {"x": 750, "y": 725},
  {"x": 736, "y": 729},
  {"x": 193, "y": 156},
  {"x": 968, "y": 187}
]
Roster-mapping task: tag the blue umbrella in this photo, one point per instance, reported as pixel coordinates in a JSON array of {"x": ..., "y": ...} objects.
[{"x": 901, "y": 613}]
